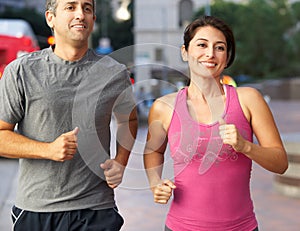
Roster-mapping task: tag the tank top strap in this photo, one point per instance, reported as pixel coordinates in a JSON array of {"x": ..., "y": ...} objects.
[
  {"x": 181, "y": 102},
  {"x": 232, "y": 100}
]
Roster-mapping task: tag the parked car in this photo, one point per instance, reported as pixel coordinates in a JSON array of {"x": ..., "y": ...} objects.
[{"x": 16, "y": 38}]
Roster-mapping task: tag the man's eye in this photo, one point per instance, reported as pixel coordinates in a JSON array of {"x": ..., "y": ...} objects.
[
  {"x": 88, "y": 9},
  {"x": 69, "y": 7}
]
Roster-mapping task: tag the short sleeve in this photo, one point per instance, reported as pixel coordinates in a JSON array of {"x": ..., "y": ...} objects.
[{"x": 11, "y": 95}]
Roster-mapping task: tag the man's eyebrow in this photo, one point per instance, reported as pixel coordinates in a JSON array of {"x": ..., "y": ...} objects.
[
  {"x": 89, "y": 4},
  {"x": 71, "y": 2},
  {"x": 76, "y": 2}
]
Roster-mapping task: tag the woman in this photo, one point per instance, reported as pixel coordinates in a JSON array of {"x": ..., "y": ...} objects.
[{"x": 209, "y": 128}]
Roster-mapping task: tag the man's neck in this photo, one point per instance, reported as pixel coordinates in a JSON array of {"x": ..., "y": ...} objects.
[{"x": 70, "y": 53}]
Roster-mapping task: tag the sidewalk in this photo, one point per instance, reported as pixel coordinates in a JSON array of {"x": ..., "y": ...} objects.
[
  {"x": 275, "y": 212},
  {"x": 8, "y": 182}
]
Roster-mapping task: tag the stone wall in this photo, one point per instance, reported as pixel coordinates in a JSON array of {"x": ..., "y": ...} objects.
[
  {"x": 289, "y": 183},
  {"x": 285, "y": 89}
]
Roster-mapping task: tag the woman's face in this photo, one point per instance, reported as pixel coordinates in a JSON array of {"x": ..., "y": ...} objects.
[{"x": 207, "y": 53}]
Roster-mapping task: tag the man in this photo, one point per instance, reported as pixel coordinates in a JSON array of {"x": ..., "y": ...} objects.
[{"x": 49, "y": 95}]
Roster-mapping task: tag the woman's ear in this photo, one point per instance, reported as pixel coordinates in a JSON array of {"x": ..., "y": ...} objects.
[{"x": 184, "y": 53}]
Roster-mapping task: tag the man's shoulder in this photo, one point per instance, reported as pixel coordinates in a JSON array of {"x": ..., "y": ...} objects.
[
  {"x": 31, "y": 57},
  {"x": 27, "y": 60},
  {"x": 107, "y": 60}
]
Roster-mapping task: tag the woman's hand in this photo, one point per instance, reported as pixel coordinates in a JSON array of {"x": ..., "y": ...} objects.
[
  {"x": 231, "y": 136},
  {"x": 163, "y": 191}
]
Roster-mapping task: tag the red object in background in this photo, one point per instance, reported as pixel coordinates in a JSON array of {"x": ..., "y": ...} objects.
[
  {"x": 13, "y": 47},
  {"x": 132, "y": 80},
  {"x": 16, "y": 39}
]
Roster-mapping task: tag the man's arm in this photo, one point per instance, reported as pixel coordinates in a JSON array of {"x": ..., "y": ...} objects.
[
  {"x": 126, "y": 134},
  {"x": 14, "y": 145}
]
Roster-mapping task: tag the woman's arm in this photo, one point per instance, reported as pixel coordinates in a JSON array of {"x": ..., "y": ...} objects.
[
  {"x": 154, "y": 151},
  {"x": 269, "y": 152}
]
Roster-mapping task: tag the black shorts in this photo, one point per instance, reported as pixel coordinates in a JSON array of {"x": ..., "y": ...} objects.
[{"x": 79, "y": 220}]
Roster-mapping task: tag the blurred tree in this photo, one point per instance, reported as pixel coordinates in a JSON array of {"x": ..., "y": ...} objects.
[
  {"x": 260, "y": 26},
  {"x": 296, "y": 10},
  {"x": 293, "y": 38}
]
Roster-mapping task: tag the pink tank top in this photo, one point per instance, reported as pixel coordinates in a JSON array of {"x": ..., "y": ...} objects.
[{"x": 212, "y": 180}]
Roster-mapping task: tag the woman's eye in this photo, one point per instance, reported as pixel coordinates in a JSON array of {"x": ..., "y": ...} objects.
[
  {"x": 201, "y": 45},
  {"x": 220, "y": 48}
]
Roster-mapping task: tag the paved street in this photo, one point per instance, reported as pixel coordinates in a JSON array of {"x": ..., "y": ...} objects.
[
  {"x": 8, "y": 178},
  {"x": 275, "y": 212}
]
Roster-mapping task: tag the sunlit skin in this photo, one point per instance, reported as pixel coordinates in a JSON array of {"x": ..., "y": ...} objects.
[
  {"x": 207, "y": 59},
  {"x": 207, "y": 53},
  {"x": 72, "y": 24}
]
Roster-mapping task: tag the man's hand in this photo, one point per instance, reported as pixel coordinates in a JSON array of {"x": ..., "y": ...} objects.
[
  {"x": 64, "y": 147},
  {"x": 113, "y": 172}
]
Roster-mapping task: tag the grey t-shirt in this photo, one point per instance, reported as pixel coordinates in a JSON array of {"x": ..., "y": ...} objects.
[{"x": 43, "y": 94}]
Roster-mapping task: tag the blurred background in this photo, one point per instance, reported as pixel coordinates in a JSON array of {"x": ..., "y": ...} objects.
[
  {"x": 146, "y": 36},
  {"x": 267, "y": 32}
]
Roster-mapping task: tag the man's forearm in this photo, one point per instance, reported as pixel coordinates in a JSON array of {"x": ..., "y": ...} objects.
[
  {"x": 126, "y": 136},
  {"x": 14, "y": 145}
]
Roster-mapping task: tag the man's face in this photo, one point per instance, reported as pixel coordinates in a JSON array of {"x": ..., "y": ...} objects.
[{"x": 72, "y": 22}]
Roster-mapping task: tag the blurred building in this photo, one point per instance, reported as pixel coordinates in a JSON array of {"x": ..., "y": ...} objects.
[{"x": 158, "y": 32}]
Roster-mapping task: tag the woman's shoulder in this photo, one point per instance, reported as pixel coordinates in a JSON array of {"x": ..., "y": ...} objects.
[
  {"x": 168, "y": 99},
  {"x": 162, "y": 109},
  {"x": 251, "y": 100},
  {"x": 249, "y": 93}
]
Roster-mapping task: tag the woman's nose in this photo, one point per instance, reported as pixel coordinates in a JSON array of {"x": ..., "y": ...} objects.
[{"x": 210, "y": 52}]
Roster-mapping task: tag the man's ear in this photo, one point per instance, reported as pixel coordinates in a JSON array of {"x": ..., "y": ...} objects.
[
  {"x": 183, "y": 53},
  {"x": 49, "y": 18}
]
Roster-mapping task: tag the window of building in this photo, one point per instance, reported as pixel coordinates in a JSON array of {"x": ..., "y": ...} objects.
[
  {"x": 185, "y": 12},
  {"x": 158, "y": 54}
]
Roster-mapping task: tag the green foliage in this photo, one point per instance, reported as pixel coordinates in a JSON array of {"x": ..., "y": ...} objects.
[
  {"x": 296, "y": 10},
  {"x": 264, "y": 48}
]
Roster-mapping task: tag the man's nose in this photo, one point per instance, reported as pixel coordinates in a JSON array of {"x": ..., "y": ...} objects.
[{"x": 79, "y": 13}]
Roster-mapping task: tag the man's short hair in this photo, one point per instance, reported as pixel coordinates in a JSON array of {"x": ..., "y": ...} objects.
[{"x": 52, "y": 4}]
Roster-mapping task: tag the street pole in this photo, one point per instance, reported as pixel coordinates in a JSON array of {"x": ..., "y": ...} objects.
[{"x": 207, "y": 8}]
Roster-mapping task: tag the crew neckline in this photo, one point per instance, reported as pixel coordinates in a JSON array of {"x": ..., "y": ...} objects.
[{"x": 67, "y": 62}]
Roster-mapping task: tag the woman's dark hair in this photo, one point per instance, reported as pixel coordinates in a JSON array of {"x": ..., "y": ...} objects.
[{"x": 217, "y": 23}]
